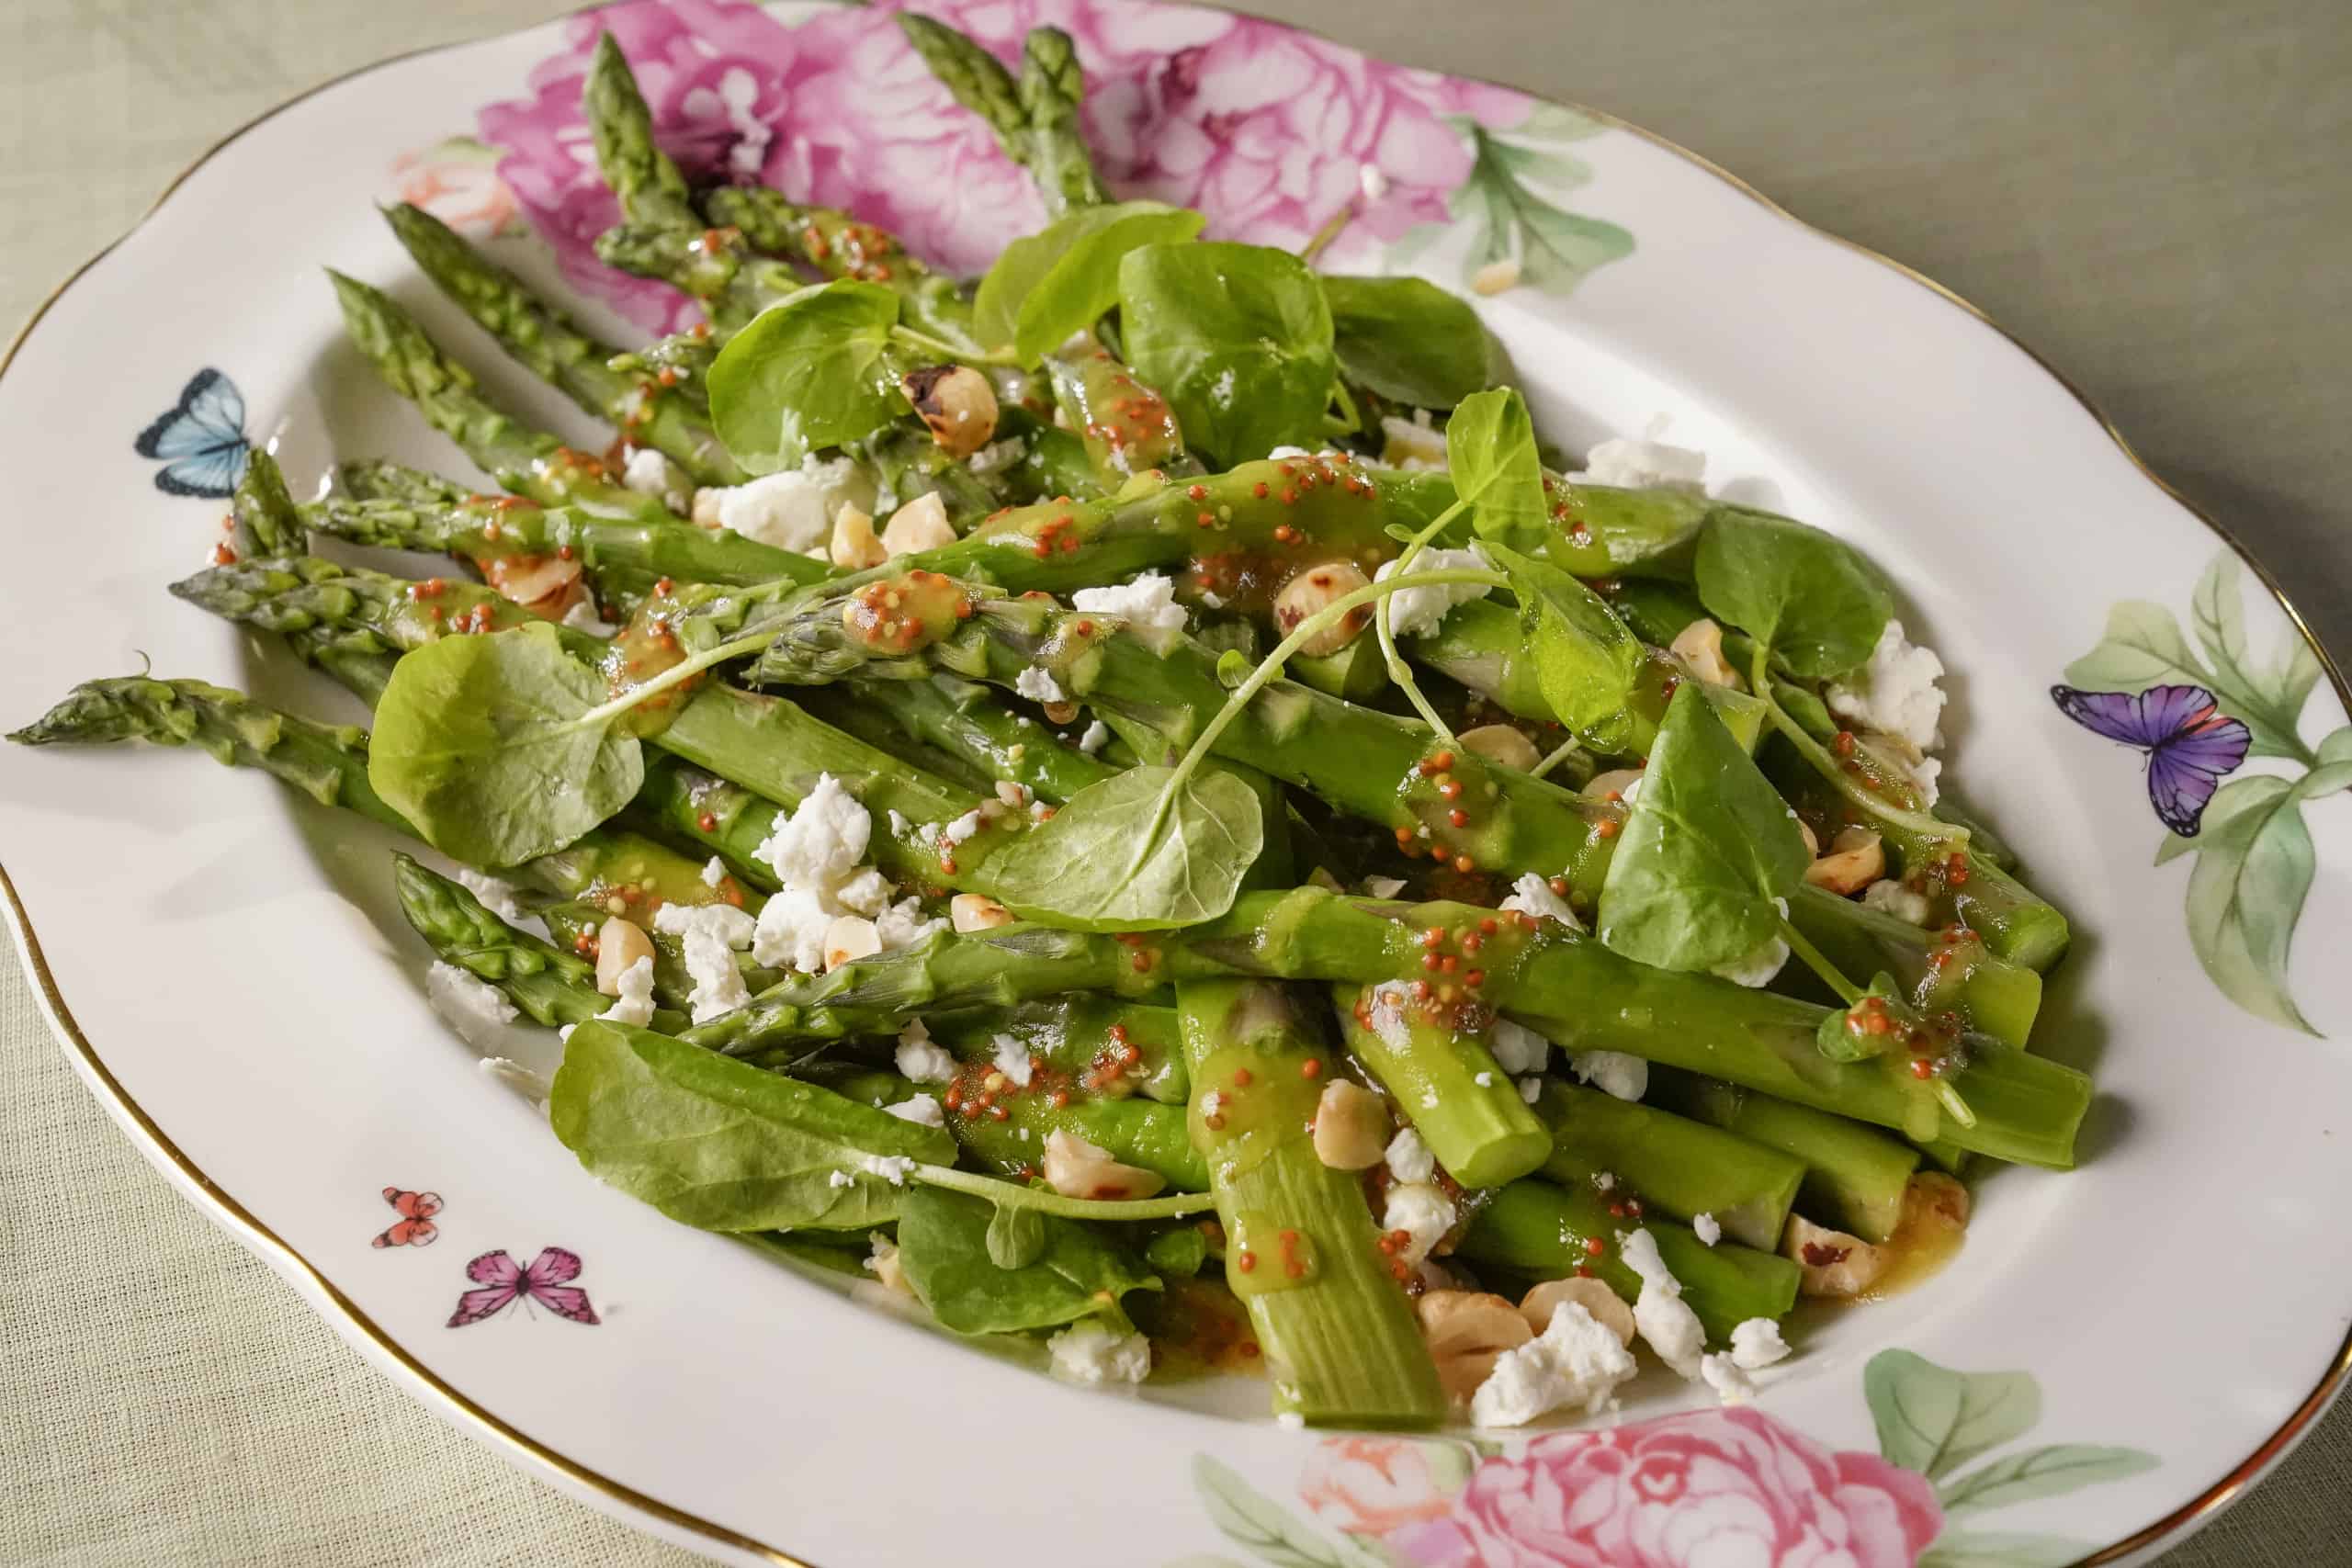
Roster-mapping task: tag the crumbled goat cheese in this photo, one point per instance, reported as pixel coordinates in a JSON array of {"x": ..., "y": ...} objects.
[
  {"x": 1012, "y": 1058},
  {"x": 996, "y": 456},
  {"x": 1409, "y": 1159},
  {"x": 1039, "y": 685},
  {"x": 1575, "y": 1361},
  {"x": 1097, "y": 736},
  {"x": 821, "y": 841},
  {"x": 923, "y": 1110},
  {"x": 474, "y": 1008},
  {"x": 496, "y": 895},
  {"x": 1147, "y": 604},
  {"x": 962, "y": 827},
  {"x": 1384, "y": 886},
  {"x": 1530, "y": 1089},
  {"x": 1418, "y": 611},
  {"x": 892, "y": 1168},
  {"x": 648, "y": 472},
  {"x": 1612, "y": 1072},
  {"x": 898, "y": 822},
  {"x": 866, "y": 891},
  {"x": 920, "y": 1060},
  {"x": 1895, "y": 693},
  {"x": 1892, "y": 897},
  {"x": 1012, "y": 793},
  {"x": 1661, "y": 1317},
  {"x": 1423, "y": 1213},
  {"x": 712, "y": 933},
  {"x": 1644, "y": 465},
  {"x": 533, "y": 1086},
  {"x": 1518, "y": 1049},
  {"x": 1212, "y": 1103},
  {"x": 792, "y": 511},
  {"x": 902, "y": 925},
  {"x": 1386, "y": 1005},
  {"x": 1723, "y": 1374},
  {"x": 1532, "y": 894},
  {"x": 714, "y": 873},
  {"x": 790, "y": 933},
  {"x": 1221, "y": 390},
  {"x": 1604, "y": 1180},
  {"x": 840, "y": 1178},
  {"x": 634, "y": 1006},
  {"x": 1707, "y": 1228},
  {"x": 1090, "y": 1352},
  {"x": 1757, "y": 1343},
  {"x": 1483, "y": 1080},
  {"x": 582, "y": 617}
]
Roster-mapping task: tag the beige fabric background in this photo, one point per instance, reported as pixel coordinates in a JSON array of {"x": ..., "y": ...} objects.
[{"x": 2153, "y": 195}]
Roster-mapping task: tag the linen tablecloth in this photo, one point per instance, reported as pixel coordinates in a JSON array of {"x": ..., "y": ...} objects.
[{"x": 2154, "y": 195}]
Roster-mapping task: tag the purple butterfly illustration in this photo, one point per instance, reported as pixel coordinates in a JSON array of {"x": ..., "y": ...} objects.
[
  {"x": 547, "y": 1282},
  {"x": 2190, "y": 746}
]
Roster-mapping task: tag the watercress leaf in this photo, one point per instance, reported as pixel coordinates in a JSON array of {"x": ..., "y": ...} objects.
[
  {"x": 1180, "y": 1252},
  {"x": 943, "y": 1245},
  {"x": 1113, "y": 860},
  {"x": 1586, "y": 659},
  {"x": 1490, "y": 449},
  {"x": 814, "y": 370},
  {"x": 1060, "y": 280},
  {"x": 1409, "y": 341},
  {"x": 719, "y": 1144},
  {"x": 1016, "y": 1236},
  {"x": 1807, "y": 595},
  {"x": 1237, "y": 338},
  {"x": 487, "y": 745},
  {"x": 1707, "y": 850}
]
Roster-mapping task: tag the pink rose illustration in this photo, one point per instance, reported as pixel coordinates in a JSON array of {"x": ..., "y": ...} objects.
[
  {"x": 1686, "y": 1491},
  {"x": 1374, "y": 1485},
  {"x": 457, "y": 181}
]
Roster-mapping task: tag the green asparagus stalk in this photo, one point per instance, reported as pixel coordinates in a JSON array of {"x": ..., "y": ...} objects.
[
  {"x": 1127, "y": 427},
  {"x": 967, "y": 722},
  {"x": 838, "y": 245},
  {"x": 648, "y": 185},
  {"x": 1535, "y": 1227},
  {"x": 1051, "y": 89},
  {"x": 508, "y": 530},
  {"x": 1854, "y": 1176},
  {"x": 554, "y": 348},
  {"x": 1667, "y": 1164},
  {"x": 1339, "y": 1337},
  {"x": 1446, "y": 1082},
  {"x": 1953, "y": 969},
  {"x": 1106, "y": 1042},
  {"x": 1144, "y": 1133},
  {"x": 264, "y": 511},
  {"x": 376, "y": 478}
]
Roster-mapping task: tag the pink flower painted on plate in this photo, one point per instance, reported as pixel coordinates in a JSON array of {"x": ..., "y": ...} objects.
[
  {"x": 1374, "y": 1485},
  {"x": 1685, "y": 1491},
  {"x": 457, "y": 181}
]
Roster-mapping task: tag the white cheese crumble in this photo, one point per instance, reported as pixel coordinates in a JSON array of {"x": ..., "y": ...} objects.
[
  {"x": 1384, "y": 886},
  {"x": 920, "y": 1060},
  {"x": 1416, "y": 611},
  {"x": 1039, "y": 685},
  {"x": 711, "y": 934},
  {"x": 1707, "y": 1228},
  {"x": 1386, "y": 1005},
  {"x": 1613, "y": 1072},
  {"x": 1518, "y": 1049},
  {"x": 840, "y": 1178},
  {"x": 1147, "y": 604},
  {"x": 1092, "y": 1352},
  {"x": 533, "y": 1086},
  {"x": 714, "y": 873},
  {"x": 962, "y": 827},
  {"x": 471, "y": 1006},
  {"x": 790, "y": 933},
  {"x": 1485, "y": 1080},
  {"x": 1012, "y": 1058},
  {"x": 866, "y": 891},
  {"x": 1221, "y": 390},
  {"x": 582, "y": 617},
  {"x": 648, "y": 472},
  {"x": 1896, "y": 692},
  {"x": 1644, "y": 465},
  {"x": 1423, "y": 1214},
  {"x": 634, "y": 1006},
  {"x": 792, "y": 511},
  {"x": 822, "y": 840},
  {"x": 996, "y": 456},
  {"x": 1532, "y": 894},
  {"x": 496, "y": 895},
  {"x": 1530, "y": 1089},
  {"x": 1575, "y": 1361},
  {"x": 892, "y": 1168},
  {"x": 903, "y": 925},
  {"x": 1661, "y": 1317},
  {"x": 1892, "y": 897},
  {"x": 1604, "y": 1180},
  {"x": 1097, "y": 736},
  {"x": 898, "y": 823},
  {"x": 1756, "y": 1343},
  {"x": 1409, "y": 1159},
  {"x": 1723, "y": 1374},
  {"x": 923, "y": 1110},
  {"x": 1012, "y": 793}
]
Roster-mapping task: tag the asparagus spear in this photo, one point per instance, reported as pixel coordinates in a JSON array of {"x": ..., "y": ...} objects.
[
  {"x": 1301, "y": 1249},
  {"x": 1951, "y": 969},
  {"x": 1035, "y": 119},
  {"x": 1667, "y": 1164},
  {"x": 1446, "y": 1082},
  {"x": 262, "y": 510},
  {"x": 1141, "y": 1133},
  {"x": 839, "y": 245},
  {"x": 967, "y": 722},
  {"x": 1125, "y": 1046},
  {"x": 1854, "y": 1176},
  {"x": 648, "y": 185},
  {"x": 554, "y": 348},
  {"x": 376, "y": 478}
]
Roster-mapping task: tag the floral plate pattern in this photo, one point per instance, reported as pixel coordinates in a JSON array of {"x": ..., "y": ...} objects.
[{"x": 706, "y": 1353}]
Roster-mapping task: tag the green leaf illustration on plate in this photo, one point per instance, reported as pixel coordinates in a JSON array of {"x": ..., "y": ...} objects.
[
  {"x": 1975, "y": 1549},
  {"x": 1251, "y": 1519},
  {"x": 2040, "y": 1472},
  {"x": 1510, "y": 199},
  {"x": 1934, "y": 1420}
]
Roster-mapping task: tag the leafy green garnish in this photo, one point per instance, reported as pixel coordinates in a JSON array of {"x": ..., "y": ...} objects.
[
  {"x": 500, "y": 749},
  {"x": 1490, "y": 449},
  {"x": 719, "y": 1144},
  {"x": 945, "y": 1246},
  {"x": 1016, "y": 1236},
  {"x": 1237, "y": 338},
  {"x": 1410, "y": 341},
  {"x": 1179, "y": 1252},
  {"x": 1707, "y": 850},
  {"x": 1587, "y": 660},
  {"x": 1147, "y": 849},
  {"x": 815, "y": 369},
  {"x": 1806, "y": 595},
  {"x": 1059, "y": 281}
]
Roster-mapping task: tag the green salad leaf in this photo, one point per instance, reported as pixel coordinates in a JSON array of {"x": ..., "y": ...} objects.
[
  {"x": 724, "y": 1145},
  {"x": 1490, "y": 449},
  {"x": 1237, "y": 338},
  {"x": 815, "y": 369},
  {"x": 1410, "y": 341},
  {"x": 1707, "y": 850},
  {"x": 1587, "y": 660},
  {"x": 1016, "y": 1236},
  {"x": 1806, "y": 595},
  {"x": 1131, "y": 854},
  {"x": 1049, "y": 285},
  {"x": 946, "y": 1246},
  {"x": 499, "y": 748}
]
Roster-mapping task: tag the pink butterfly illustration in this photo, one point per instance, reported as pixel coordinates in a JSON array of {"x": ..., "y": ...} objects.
[
  {"x": 547, "y": 1281},
  {"x": 415, "y": 1227}
]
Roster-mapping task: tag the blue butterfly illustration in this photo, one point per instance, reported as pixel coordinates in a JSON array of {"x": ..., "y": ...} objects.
[
  {"x": 2189, "y": 744},
  {"x": 200, "y": 439}
]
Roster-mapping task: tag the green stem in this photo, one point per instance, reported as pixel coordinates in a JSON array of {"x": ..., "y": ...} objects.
[
  {"x": 1815, "y": 753},
  {"x": 1008, "y": 1195},
  {"x": 678, "y": 675},
  {"x": 1398, "y": 671},
  {"x": 1847, "y": 992},
  {"x": 1567, "y": 749}
]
